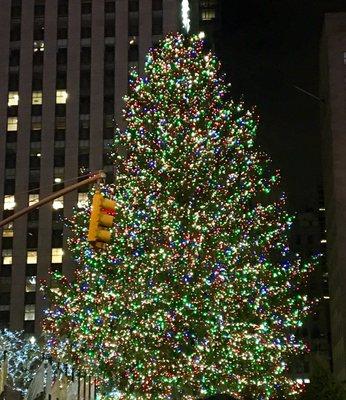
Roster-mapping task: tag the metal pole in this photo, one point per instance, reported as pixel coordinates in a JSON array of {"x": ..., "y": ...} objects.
[{"x": 53, "y": 196}]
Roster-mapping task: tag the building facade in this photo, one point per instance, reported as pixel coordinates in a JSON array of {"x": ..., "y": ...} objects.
[
  {"x": 63, "y": 72},
  {"x": 333, "y": 124}
]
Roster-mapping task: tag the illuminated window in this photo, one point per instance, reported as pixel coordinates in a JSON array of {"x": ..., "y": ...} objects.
[
  {"x": 38, "y": 46},
  {"x": 29, "y": 313},
  {"x": 30, "y": 284},
  {"x": 33, "y": 198},
  {"x": 61, "y": 96},
  {"x": 31, "y": 257},
  {"x": 57, "y": 254},
  {"x": 12, "y": 124},
  {"x": 58, "y": 203},
  {"x": 13, "y": 99},
  {"x": 82, "y": 200},
  {"x": 36, "y": 98},
  {"x": 208, "y": 15},
  {"x": 8, "y": 231},
  {"x": 9, "y": 203},
  {"x": 7, "y": 256}
]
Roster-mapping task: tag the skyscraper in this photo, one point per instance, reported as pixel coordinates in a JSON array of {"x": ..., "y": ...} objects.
[
  {"x": 63, "y": 72},
  {"x": 333, "y": 123}
]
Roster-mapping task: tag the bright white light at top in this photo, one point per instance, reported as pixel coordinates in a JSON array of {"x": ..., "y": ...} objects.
[
  {"x": 201, "y": 35},
  {"x": 32, "y": 340},
  {"x": 185, "y": 13}
]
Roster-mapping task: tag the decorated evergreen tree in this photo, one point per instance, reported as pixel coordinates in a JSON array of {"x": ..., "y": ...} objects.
[{"x": 197, "y": 293}]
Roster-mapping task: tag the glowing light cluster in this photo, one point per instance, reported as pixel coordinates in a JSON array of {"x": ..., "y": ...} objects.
[
  {"x": 24, "y": 357},
  {"x": 198, "y": 292}
]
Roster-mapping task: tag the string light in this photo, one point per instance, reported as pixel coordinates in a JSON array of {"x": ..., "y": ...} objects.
[{"x": 198, "y": 292}]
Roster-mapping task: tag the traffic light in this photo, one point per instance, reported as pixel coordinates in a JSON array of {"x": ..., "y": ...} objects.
[{"x": 98, "y": 236}]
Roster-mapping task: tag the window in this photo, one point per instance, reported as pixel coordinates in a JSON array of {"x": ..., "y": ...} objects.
[
  {"x": 13, "y": 99},
  {"x": 61, "y": 96},
  {"x": 29, "y": 313},
  {"x": 109, "y": 28},
  {"x": 110, "y": 7},
  {"x": 133, "y": 5},
  {"x": 12, "y": 124},
  {"x": 31, "y": 257},
  {"x": 157, "y": 5},
  {"x": 61, "y": 57},
  {"x": 39, "y": 48},
  {"x": 133, "y": 52},
  {"x": 208, "y": 14},
  {"x": 58, "y": 203},
  {"x": 37, "y": 98},
  {"x": 133, "y": 25},
  {"x": 86, "y": 7},
  {"x": 85, "y": 56},
  {"x": 14, "y": 57},
  {"x": 33, "y": 198},
  {"x": 9, "y": 203},
  {"x": 39, "y": 29},
  {"x": 15, "y": 32},
  {"x": 157, "y": 24},
  {"x": 63, "y": 8},
  {"x": 5, "y": 299},
  {"x": 7, "y": 256},
  {"x": 82, "y": 200},
  {"x": 57, "y": 254},
  {"x": 85, "y": 29},
  {"x": 13, "y": 81},
  {"x": 7, "y": 231}
]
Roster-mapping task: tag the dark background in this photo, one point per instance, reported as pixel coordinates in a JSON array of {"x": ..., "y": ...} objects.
[{"x": 267, "y": 48}]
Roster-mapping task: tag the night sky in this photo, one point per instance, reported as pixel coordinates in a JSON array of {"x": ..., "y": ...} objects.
[{"x": 267, "y": 48}]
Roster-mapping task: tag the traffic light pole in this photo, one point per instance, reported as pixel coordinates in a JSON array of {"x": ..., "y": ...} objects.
[{"x": 97, "y": 177}]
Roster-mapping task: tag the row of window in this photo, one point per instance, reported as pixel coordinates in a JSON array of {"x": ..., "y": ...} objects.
[
  {"x": 10, "y": 202},
  {"x": 13, "y": 97},
  {"x": 31, "y": 256}
]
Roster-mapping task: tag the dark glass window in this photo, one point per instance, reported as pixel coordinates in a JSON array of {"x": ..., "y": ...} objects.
[
  {"x": 57, "y": 238},
  {"x": 5, "y": 271},
  {"x": 39, "y": 29},
  {"x": 110, "y": 7},
  {"x": 60, "y": 110},
  {"x": 16, "y": 9},
  {"x": 157, "y": 24},
  {"x": 62, "y": 28},
  {"x": 84, "y": 133},
  {"x": 59, "y": 134},
  {"x": 29, "y": 326},
  {"x": 85, "y": 80},
  {"x": 30, "y": 298},
  {"x": 59, "y": 160},
  {"x": 12, "y": 111},
  {"x": 14, "y": 57},
  {"x": 86, "y": 7},
  {"x": 61, "y": 80},
  {"x": 13, "y": 81},
  {"x": 84, "y": 105},
  {"x": 85, "y": 55},
  {"x": 35, "y": 135},
  {"x": 35, "y": 162},
  {"x": 10, "y": 186},
  {"x": 133, "y": 25},
  {"x": 108, "y": 133},
  {"x": 133, "y": 5},
  {"x": 109, "y": 54},
  {"x": 157, "y": 5},
  {"x": 109, "y": 27},
  {"x": 38, "y": 58},
  {"x": 85, "y": 28},
  {"x": 83, "y": 160},
  {"x": 5, "y": 298},
  {"x": 32, "y": 238},
  {"x": 15, "y": 32},
  {"x": 10, "y": 161},
  {"x": 31, "y": 270},
  {"x": 61, "y": 57},
  {"x": 36, "y": 110},
  {"x": 62, "y": 8},
  {"x": 108, "y": 105},
  {"x": 37, "y": 81},
  {"x": 109, "y": 80},
  {"x": 133, "y": 52}
]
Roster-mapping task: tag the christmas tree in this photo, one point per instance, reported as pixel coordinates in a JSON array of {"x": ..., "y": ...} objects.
[{"x": 197, "y": 293}]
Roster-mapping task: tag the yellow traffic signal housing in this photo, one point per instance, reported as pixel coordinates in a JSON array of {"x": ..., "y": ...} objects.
[{"x": 99, "y": 220}]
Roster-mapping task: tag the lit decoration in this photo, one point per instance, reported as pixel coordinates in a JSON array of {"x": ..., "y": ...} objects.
[
  {"x": 197, "y": 292},
  {"x": 185, "y": 15},
  {"x": 24, "y": 357}
]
